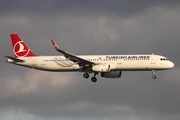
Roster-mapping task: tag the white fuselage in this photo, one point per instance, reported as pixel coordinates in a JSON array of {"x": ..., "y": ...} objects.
[{"x": 143, "y": 62}]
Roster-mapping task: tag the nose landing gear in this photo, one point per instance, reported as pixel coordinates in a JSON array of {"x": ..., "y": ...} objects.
[{"x": 154, "y": 76}]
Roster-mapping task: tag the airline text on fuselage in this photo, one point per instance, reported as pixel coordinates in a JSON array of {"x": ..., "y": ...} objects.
[{"x": 128, "y": 57}]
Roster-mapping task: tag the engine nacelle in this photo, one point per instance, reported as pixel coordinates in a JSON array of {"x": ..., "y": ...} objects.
[{"x": 112, "y": 74}]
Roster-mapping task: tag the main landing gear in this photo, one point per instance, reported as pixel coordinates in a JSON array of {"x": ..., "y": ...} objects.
[
  {"x": 86, "y": 75},
  {"x": 154, "y": 76},
  {"x": 93, "y": 79}
]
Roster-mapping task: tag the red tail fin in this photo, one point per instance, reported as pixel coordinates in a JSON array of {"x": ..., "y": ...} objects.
[{"x": 20, "y": 48}]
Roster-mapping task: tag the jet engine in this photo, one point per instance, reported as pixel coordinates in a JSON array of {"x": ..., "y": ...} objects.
[{"x": 112, "y": 74}]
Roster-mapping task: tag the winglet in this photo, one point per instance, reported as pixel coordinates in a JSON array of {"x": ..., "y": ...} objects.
[{"x": 54, "y": 44}]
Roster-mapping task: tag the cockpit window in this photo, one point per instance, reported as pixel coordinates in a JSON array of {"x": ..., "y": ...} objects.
[{"x": 163, "y": 59}]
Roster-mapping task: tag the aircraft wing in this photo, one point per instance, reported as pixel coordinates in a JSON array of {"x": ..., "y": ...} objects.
[{"x": 74, "y": 58}]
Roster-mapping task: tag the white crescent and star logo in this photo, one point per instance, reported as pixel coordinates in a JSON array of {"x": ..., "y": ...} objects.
[{"x": 20, "y": 49}]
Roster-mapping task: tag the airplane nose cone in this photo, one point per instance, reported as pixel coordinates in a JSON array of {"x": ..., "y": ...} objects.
[{"x": 171, "y": 64}]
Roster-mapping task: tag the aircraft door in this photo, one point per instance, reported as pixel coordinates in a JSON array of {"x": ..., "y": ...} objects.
[
  {"x": 119, "y": 62},
  {"x": 153, "y": 61},
  {"x": 34, "y": 62}
]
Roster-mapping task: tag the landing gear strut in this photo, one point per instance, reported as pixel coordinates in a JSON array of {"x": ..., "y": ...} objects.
[
  {"x": 154, "y": 76},
  {"x": 93, "y": 79}
]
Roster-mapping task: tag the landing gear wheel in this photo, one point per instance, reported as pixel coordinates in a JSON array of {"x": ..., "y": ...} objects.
[
  {"x": 94, "y": 79},
  {"x": 154, "y": 77},
  {"x": 86, "y": 75}
]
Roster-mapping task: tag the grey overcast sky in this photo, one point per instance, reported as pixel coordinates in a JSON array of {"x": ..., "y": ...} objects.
[{"x": 90, "y": 27}]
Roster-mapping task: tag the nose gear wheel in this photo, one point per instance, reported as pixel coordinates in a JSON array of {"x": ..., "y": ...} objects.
[{"x": 154, "y": 76}]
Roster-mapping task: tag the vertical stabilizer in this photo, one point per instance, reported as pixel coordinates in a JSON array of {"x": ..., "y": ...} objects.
[{"x": 20, "y": 48}]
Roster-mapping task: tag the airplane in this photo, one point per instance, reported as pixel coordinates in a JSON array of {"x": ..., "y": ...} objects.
[{"x": 109, "y": 66}]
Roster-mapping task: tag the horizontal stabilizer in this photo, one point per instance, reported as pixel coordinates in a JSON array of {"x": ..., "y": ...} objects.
[{"x": 14, "y": 59}]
